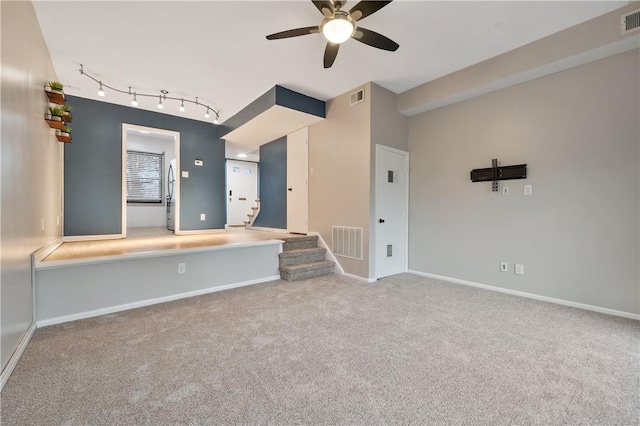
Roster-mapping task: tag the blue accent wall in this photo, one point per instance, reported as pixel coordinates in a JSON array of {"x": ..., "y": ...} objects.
[
  {"x": 93, "y": 168},
  {"x": 299, "y": 102},
  {"x": 277, "y": 95},
  {"x": 273, "y": 185}
]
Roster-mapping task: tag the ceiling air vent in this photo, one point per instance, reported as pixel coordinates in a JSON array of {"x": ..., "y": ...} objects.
[
  {"x": 357, "y": 97},
  {"x": 630, "y": 22}
]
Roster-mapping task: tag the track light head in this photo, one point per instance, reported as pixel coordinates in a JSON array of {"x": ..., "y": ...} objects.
[
  {"x": 160, "y": 106},
  {"x": 101, "y": 90},
  {"x": 134, "y": 102}
]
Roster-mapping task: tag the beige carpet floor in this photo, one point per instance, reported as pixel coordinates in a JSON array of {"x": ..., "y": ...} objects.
[{"x": 332, "y": 350}]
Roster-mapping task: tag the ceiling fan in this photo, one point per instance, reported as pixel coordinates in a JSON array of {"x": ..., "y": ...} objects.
[{"x": 338, "y": 26}]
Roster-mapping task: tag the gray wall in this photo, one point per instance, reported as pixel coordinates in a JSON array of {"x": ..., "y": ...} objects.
[
  {"x": 93, "y": 165},
  {"x": 389, "y": 128},
  {"x": 273, "y": 185},
  {"x": 578, "y": 234},
  {"x": 340, "y": 173},
  {"x": 31, "y": 175}
]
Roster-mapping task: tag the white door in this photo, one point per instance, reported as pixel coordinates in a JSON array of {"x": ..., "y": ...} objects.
[
  {"x": 298, "y": 181},
  {"x": 392, "y": 201},
  {"x": 242, "y": 191}
]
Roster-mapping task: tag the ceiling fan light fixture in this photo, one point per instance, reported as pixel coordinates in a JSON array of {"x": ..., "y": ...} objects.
[{"x": 338, "y": 28}]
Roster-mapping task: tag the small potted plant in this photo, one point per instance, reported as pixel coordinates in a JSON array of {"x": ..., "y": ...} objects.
[
  {"x": 66, "y": 109},
  {"x": 64, "y": 135},
  {"x": 54, "y": 92},
  {"x": 55, "y": 114},
  {"x": 54, "y": 86}
]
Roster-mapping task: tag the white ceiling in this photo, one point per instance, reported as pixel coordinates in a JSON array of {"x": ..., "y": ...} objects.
[{"x": 217, "y": 50}]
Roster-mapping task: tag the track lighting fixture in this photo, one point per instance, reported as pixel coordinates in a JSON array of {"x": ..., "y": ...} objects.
[{"x": 161, "y": 97}]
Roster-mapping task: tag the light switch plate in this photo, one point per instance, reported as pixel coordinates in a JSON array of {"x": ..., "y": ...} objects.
[
  {"x": 202, "y": 216},
  {"x": 519, "y": 270},
  {"x": 185, "y": 174},
  {"x": 505, "y": 190},
  {"x": 528, "y": 190}
]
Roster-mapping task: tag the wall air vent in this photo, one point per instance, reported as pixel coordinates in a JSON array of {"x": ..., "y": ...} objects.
[
  {"x": 628, "y": 22},
  {"x": 357, "y": 97},
  {"x": 347, "y": 242}
]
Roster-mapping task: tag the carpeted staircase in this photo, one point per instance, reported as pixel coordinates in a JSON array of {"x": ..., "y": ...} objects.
[{"x": 301, "y": 258}]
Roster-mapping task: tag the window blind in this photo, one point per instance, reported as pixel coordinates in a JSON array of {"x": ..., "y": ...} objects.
[{"x": 144, "y": 177}]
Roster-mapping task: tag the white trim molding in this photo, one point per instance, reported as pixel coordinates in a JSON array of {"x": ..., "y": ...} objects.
[
  {"x": 359, "y": 278},
  {"x": 338, "y": 269},
  {"x": 45, "y": 251},
  {"x": 15, "y": 357},
  {"x": 75, "y": 238},
  {"x": 176, "y": 137},
  {"x": 259, "y": 228},
  {"x": 148, "y": 302},
  {"x": 201, "y": 231},
  {"x": 85, "y": 261},
  {"x": 532, "y": 296}
]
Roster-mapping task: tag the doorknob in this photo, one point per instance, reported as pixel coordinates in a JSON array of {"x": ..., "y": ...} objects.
[
  {"x": 290, "y": 189},
  {"x": 381, "y": 220}
]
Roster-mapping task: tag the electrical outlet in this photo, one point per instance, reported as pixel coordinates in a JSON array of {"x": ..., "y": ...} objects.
[
  {"x": 505, "y": 190},
  {"x": 182, "y": 268},
  {"x": 202, "y": 216},
  {"x": 504, "y": 267},
  {"x": 519, "y": 269}
]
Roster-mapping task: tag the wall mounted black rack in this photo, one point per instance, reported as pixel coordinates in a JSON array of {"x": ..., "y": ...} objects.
[{"x": 496, "y": 173}]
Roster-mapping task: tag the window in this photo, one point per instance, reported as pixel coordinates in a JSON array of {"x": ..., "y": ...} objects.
[{"x": 144, "y": 177}]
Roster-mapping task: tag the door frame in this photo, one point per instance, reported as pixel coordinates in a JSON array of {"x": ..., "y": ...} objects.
[
  {"x": 226, "y": 182},
  {"x": 291, "y": 184},
  {"x": 379, "y": 148},
  {"x": 176, "y": 136}
]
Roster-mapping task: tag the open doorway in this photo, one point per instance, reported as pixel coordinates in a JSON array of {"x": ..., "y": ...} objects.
[{"x": 150, "y": 184}]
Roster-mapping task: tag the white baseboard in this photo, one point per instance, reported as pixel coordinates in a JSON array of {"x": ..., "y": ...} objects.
[
  {"x": 338, "y": 268},
  {"x": 532, "y": 296},
  {"x": 359, "y": 278},
  {"x": 45, "y": 251},
  {"x": 15, "y": 357},
  {"x": 148, "y": 302},
  {"x": 74, "y": 238},
  {"x": 259, "y": 228},
  {"x": 201, "y": 231}
]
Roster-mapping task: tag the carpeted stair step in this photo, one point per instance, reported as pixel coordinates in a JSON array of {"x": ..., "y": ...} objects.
[
  {"x": 306, "y": 270},
  {"x": 298, "y": 243},
  {"x": 296, "y": 257}
]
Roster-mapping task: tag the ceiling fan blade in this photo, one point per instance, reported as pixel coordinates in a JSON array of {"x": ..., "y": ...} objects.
[
  {"x": 366, "y": 8},
  {"x": 294, "y": 33},
  {"x": 330, "y": 53},
  {"x": 374, "y": 39},
  {"x": 325, "y": 7}
]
